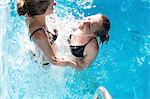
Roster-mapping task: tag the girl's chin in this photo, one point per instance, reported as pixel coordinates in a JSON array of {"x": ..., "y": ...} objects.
[{"x": 80, "y": 27}]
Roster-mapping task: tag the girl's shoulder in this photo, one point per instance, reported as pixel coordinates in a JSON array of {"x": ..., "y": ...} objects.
[
  {"x": 33, "y": 26},
  {"x": 93, "y": 45}
]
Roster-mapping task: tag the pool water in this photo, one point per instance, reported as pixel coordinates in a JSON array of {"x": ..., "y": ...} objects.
[{"x": 122, "y": 65}]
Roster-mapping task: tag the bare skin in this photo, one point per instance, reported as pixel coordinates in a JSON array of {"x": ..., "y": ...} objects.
[
  {"x": 86, "y": 30},
  {"x": 40, "y": 37}
]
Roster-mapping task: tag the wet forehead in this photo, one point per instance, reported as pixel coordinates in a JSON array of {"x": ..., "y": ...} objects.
[
  {"x": 95, "y": 18},
  {"x": 96, "y": 21}
]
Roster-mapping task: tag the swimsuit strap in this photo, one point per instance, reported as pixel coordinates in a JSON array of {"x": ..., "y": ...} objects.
[
  {"x": 70, "y": 36},
  {"x": 52, "y": 33},
  {"x": 84, "y": 45},
  {"x": 36, "y": 31},
  {"x": 89, "y": 41},
  {"x": 69, "y": 39}
]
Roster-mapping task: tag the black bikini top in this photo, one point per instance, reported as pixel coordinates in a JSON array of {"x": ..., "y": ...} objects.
[
  {"x": 78, "y": 50},
  {"x": 51, "y": 36}
]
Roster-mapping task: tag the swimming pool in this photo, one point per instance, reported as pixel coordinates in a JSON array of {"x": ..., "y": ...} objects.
[{"x": 122, "y": 65}]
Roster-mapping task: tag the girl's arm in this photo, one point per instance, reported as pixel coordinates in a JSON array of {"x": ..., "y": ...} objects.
[
  {"x": 40, "y": 38},
  {"x": 91, "y": 52},
  {"x": 67, "y": 62}
]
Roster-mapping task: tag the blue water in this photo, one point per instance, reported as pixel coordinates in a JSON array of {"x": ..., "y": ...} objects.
[{"x": 122, "y": 65}]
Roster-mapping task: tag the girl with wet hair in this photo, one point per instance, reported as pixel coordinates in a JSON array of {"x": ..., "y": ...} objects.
[
  {"x": 84, "y": 44},
  {"x": 35, "y": 12},
  {"x": 34, "y": 7}
]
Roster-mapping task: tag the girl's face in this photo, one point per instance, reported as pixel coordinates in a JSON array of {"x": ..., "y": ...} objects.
[
  {"x": 50, "y": 8},
  {"x": 91, "y": 23}
]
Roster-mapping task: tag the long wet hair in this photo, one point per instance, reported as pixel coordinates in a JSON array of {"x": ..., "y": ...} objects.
[
  {"x": 32, "y": 7},
  {"x": 104, "y": 35}
]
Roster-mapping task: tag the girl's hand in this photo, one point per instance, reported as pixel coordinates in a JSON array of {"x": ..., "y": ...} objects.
[
  {"x": 67, "y": 62},
  {"x": 60, "y": 62},
  {"x": 78, "y": 67}
]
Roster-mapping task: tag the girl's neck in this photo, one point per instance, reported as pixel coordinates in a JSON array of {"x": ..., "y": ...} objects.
[
  {"x": 40, "y": 20},
  {"x": 83, "y": 33}
]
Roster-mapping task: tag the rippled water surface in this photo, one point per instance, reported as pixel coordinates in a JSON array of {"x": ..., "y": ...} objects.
[{"x": 122, "y": 65}]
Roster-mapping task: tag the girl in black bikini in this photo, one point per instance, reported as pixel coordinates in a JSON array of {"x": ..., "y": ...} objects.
[
  {"x": 35, "y": 12},
  {"x": 84, "y": 44}
]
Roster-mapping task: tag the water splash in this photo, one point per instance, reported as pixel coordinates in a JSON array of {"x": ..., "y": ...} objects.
[
  {"x": 77, "y": 7},
  {"x": 25, "y": 77},
  {"x": 4, "y": 4}
]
